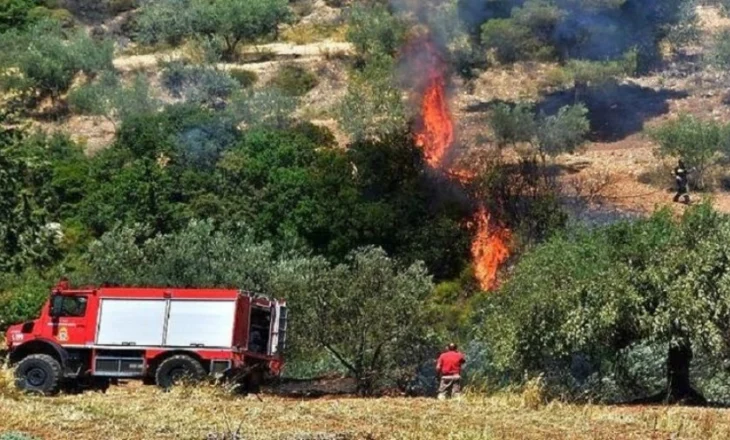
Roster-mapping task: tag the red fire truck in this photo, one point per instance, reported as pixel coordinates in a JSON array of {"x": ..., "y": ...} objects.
[{"x": 161, "y": 335}]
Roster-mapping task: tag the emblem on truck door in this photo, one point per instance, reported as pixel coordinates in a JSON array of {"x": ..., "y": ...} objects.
[{"x": 62, "y": 334}]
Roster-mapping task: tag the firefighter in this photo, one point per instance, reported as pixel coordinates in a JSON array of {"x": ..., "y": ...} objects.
[
  {"x": 680, "y": 176},
  {"x": 448, "y": 367}
]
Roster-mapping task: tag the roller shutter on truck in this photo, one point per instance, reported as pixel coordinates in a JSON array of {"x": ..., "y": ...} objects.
[
  {"x": 166, "y": 323},
  {"x": 131, "y": 322}
]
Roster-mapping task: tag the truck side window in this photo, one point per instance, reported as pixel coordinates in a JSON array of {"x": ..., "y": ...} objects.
[{"x": 70, "y": 306}]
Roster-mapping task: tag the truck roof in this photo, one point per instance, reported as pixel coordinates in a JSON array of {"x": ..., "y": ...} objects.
[{"x": 163, "y": 292}]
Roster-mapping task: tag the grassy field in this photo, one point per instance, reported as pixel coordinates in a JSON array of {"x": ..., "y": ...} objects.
[{"x": 137, "y": 412}]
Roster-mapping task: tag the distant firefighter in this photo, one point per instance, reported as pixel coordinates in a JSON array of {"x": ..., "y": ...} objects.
[
  {"x": 448, "y": 368},
  {"x": 680, "y": 176}
]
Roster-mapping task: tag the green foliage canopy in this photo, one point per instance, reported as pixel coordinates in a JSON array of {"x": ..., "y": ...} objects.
[
  {"x": 228, "y": 22},
  {"x": 44, "y": 59},
  {"x": 592, "y": 294},
  {"x": 693, "y": 140}
]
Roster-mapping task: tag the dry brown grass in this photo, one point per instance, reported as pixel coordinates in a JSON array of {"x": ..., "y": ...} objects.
[{"x": 138, "y": 412}]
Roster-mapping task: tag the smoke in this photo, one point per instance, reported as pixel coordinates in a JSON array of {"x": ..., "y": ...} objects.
[{"x": 586, "y": 29}]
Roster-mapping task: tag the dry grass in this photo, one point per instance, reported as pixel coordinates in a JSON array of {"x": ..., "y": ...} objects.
[
  {"x": 137, "y": 412},
  {"x": 307, "y": 33}
]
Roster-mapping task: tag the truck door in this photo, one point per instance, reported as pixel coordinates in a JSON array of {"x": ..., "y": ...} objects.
[
  {"x": 68, "y": 322},
  {"x": 278, "y": 329}
]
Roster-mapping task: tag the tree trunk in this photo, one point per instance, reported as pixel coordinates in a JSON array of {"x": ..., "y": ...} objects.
[{"x": 679, "y": 388}]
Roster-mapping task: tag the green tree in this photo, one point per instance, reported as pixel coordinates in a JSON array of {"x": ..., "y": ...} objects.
[
  {"x": 693, "y": 140},
  {"x": 268, "y": 107},
  {"x": 109, "y": 98},
  {"x": 43, "y": 60},
  {"x": 367, "y": 312},
  {"x": 14, "y": 13},
  {"x": 590, "y": 296},
  {"x": 27, "y": 239},
  {"x": 294, "y": 80},
  {"x": 373, "y": 107},
  {"x": 546, "y": 136},
  {"x": 199, "y": 84},
  {"x": 374, "y": 31},
  {"x": 513, "y": 125},
  {"x": 563, "y": 132},
  {"x": 198, "y": 255},
  {"x": 228, "y": 22}
]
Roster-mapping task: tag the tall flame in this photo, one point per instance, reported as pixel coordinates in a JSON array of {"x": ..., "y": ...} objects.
[
  {"x": 437, "y": 132},
  {"x": 489, "y": 249},
  {"x": 435, "y": 136}
]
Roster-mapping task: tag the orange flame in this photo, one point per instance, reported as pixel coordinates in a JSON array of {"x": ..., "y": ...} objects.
[
  {"x": 437, "y": 133},
  {"x": 489, "y": 249},
  {"x": 436, "y": 137}
]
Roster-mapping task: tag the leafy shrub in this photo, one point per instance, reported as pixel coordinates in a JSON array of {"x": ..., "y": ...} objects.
[
  {"x": 548, "y": 136},
  {"x": 720, "y": 54},
  {"x": 373, "y": 106},
  {"x": 14, "y": 13},
  {"x": 695, "y": 141},
  {"x": 510, "y": 41},
  {"x": 21, "y": 297},
  {"x": 108, "y": 97},
  {"x": 62, "y": 16},
  {"x": 225, "y": 23},
  {"x": 564, "y": 29},
  {"x": 56, "y": 59},
  {"x": 199, "y": 84},
  {"x": 294, "y": 80},
  {"x": 512, "y": 125},
  {"x": 374, "y": 31},
  {"x": 268, "y": 107},
  {"x": 245, "y": 78},
  {"x": 564, "y": 132}
]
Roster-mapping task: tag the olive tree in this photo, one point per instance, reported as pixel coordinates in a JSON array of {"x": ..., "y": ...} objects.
[
  {"x": 109, "y": 98},
  {"x": 228, "y": 22},
  {"x": 544, "y": 135},
  {"x": 366, "y": 312},
  {"x": 693, "y": 140},
  {"x": 43, "y": 60}
]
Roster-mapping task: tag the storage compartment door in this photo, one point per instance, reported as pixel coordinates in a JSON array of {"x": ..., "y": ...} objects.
[
  {"x": 131, "y": 322},
  {"x": 201, "y": 324}
]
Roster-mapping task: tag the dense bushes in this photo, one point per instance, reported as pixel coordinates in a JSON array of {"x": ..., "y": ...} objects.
[
  {"x": 222, "y": 24},
  {"x": 579, "y": 307},
  {"x": 43, "y": 60},
  {"x": 544, "y": 135},
  {"x": 294, "y": 80},
  {"x": 594, "y": 30}
]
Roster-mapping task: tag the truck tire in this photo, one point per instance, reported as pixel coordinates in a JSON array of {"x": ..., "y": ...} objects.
[
  {"x": 39, "y": 373},
  {"x": 177, "y": 368}
]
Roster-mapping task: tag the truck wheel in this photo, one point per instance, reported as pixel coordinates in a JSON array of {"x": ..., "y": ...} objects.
[
  {"x": 177, "y": 368},
  {"x": 38, "y": 373}
]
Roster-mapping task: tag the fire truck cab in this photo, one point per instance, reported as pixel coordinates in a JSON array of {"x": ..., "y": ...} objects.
[{"x": 161, "y": 335}]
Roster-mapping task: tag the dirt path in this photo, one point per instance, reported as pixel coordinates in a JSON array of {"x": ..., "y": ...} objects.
[{"x": 280, "y": 51}]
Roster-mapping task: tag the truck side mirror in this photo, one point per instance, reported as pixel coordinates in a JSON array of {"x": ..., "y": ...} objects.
[{"x": 56, "y": 306}]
